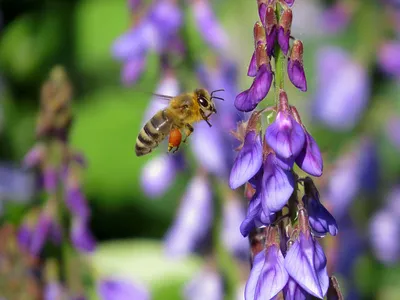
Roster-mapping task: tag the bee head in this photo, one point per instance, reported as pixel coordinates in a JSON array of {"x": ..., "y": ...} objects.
[{"x": 205, "y": 102}]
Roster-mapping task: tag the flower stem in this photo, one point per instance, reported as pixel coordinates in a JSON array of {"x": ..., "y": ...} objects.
[{"x": 280, "y": 63}]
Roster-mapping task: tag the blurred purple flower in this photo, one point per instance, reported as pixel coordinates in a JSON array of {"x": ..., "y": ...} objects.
[
  {"x": 207, "y": 284},
  {"x": 385, "y": 229},
  {"x": 81, "y": 236},
  {"x": 393, "y": 130},
  {"x": 159, "y": 173},
  {"x": 208, "y": 25},
  {"x": 335, "y": 18},
  {"x": 306, "y": 264},
  {"x": 34, "y": 156},
  {"x": 41, "y": 233},
  {"x": 214, "y": 159},
  {"x": 343, "y": 89},
  {"x": 355, "y": 171},
  {"x": 50, "y": 179},
  {"x": 154, "y": 32},
  {"x": 389, "y": 59},
  {"x": 121, "y": 289},
  {"x": 24, "y": 236},
  {"x": 54, "y": 291},
  {"x": 76, "y": 202},
  {"x": 132, "y": 69},
  {"x": 16, "y": 184},
  {"x": 233, "y": 214},
  {"x": 193, "y": 220},
  {"x": 385, "y": 236},
  {"x": 268, "y": 275}
]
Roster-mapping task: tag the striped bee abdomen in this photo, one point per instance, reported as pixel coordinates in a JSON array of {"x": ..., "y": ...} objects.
[{"x": 153, "y": 132}]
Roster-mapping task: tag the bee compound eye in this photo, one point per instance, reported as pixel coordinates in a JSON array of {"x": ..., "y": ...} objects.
[{"x": 203, "y": 102}]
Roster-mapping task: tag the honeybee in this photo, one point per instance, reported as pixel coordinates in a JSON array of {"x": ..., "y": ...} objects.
[{"x": 181, "y": 112}]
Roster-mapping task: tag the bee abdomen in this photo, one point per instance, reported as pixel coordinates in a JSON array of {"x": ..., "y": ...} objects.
[{"x": 152, "y": 133}]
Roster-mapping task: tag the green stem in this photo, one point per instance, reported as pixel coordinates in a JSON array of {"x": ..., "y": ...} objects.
[{"x": 280, "y": 65}]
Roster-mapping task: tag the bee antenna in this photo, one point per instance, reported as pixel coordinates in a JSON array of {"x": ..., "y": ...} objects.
[
  {"x": 220, "y": 90},
  {"x": 219, "y": 98}
]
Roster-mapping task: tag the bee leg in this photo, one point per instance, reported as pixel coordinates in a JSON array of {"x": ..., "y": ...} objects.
[
  {"x": 176, "y": 149},
  {"x": 188, "y": 131}
]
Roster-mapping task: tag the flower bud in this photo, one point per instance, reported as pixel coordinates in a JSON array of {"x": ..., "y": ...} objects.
[
  {"x": 295, "y": 67},
  {"x": 285, "y": 24}
]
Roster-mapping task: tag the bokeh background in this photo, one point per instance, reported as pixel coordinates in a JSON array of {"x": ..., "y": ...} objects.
[{"x": 352, "y": 109}]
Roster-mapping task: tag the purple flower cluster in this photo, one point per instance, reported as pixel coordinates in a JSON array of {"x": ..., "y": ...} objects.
[
  {"x": 271, "y": 36},
  {"x": 287, "y": 256},
  {"x": 60, "y": 169}
]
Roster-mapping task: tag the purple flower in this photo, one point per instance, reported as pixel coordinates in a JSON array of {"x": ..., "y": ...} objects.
[
  {"x": 34, "y": 156},
  {"x": 76, "y": 202},
  {"x": 277, "y": 186},
  {"x": 41, "y": 233},
  {"x": 118, "y": 289},
  {"x": 24, "y": 236},
  {"x": 389, "y": 59},
  {"x": 50, "y": 179},
  {"x": 132, "y": 69},
  {"x": 293, "y": 291},
  {"x": 159, "y": 173},
  {"x": 343, "y": 89},
  {"x": 268, "y": 275},
  {"x": 208, "y": 25},
  {"x": 207, "y": 284},
  {"x": 306, "y": 264},
  {"x": 249, "y": 99},
  {"x": 233, "y": 214},
  {"x": 310, "y": 158},
  {"x": 295, "y": 67},
  {"x": 385, "y": 236},
  {"x": 285, "y": 24},
  {"x": 81, "y": 236},
  {"x": 289, "y": 2},
  {"x": 336, "y": 18},
  {"x": 248, "y": 161},
  {"x": 321, "y": 221},
  {"x": 253, "y": 212},
  {"x": 193, "y": 219},
  {"x": 54, "y": 291},
  {"x": 214, "y": 160},
  {"x": 285, "y": 136},
  {"x": 252, "y": 70},
  {"x": 271, "y": 27}
]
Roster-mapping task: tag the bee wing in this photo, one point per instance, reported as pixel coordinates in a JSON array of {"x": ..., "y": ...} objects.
[{"x": 165, "y": 98}]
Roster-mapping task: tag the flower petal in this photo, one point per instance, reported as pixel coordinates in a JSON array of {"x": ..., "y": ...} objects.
[
  {"x": 249, "y": 99},
  {"x": 321, "y": 221},
  {"x": 297, "y": 75},
  {"x": 306, "y": 264},
  {"x": 285, "y": 136},
  {"x": 310, "y": 158},
  {"x": 248, "y": 161},
  {"x": 277, "y": 186},
  {"x": 252, "y": 70},
  {"x": 268, "y": 276},
  {"x": 292, "y": 291}
]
